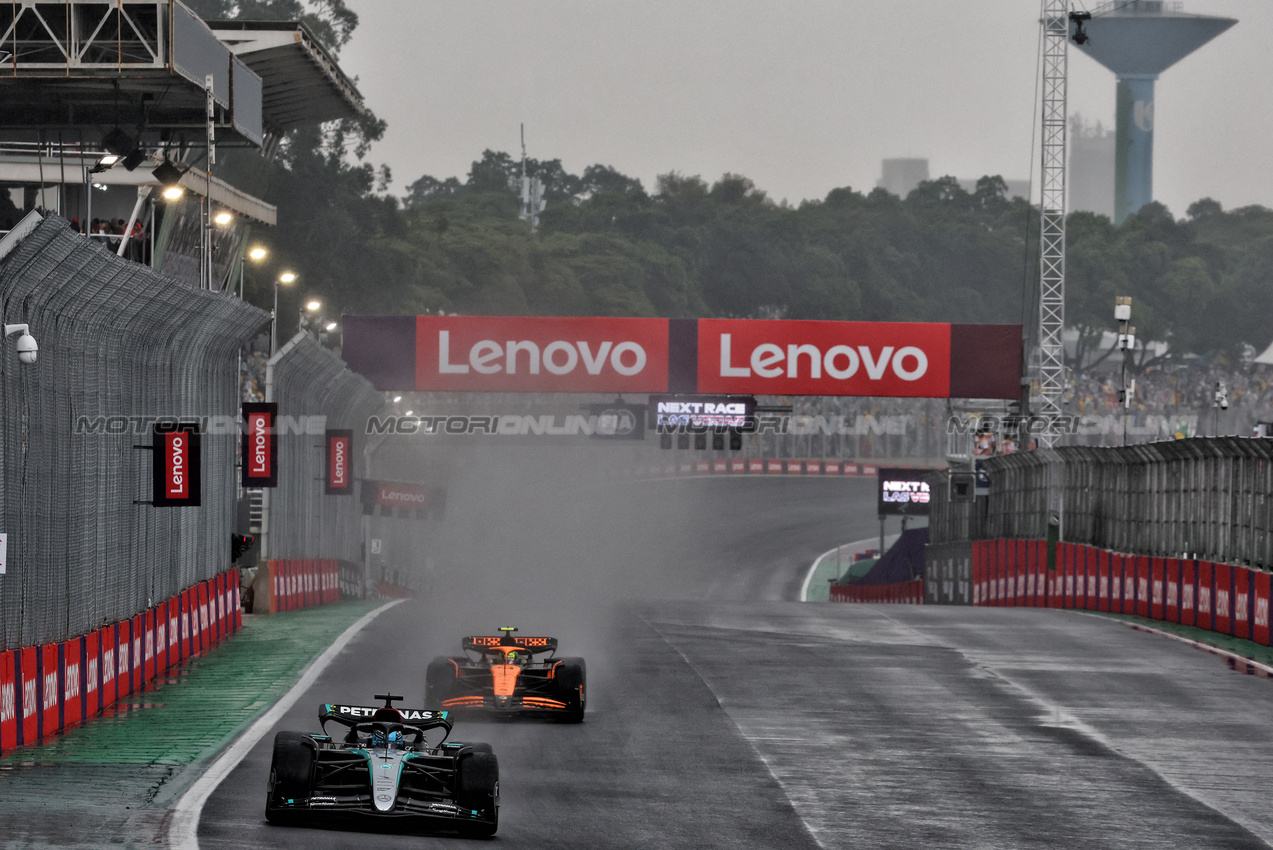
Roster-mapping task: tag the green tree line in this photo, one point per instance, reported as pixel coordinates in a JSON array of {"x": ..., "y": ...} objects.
[{"x": 607, "y": 245}]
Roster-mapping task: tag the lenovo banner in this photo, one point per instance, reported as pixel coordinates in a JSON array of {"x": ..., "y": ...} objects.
[
  {"x": 259, "y": 454},
  {"x": 540, "y": 354},
  {"x": 417, "y": 500},
  {"x": 340, "y": 446},
  {"x": 177, "y": 465},
  {"x": 685, "y": 356}
]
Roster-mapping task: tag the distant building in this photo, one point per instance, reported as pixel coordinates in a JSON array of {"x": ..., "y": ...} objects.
[
  {"x": 1016, "y": 188},
  {"x": 1091, "y": 173},
  {"x": 902, "y": 176}
]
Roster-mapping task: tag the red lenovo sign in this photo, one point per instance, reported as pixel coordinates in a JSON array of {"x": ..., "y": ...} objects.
[
  {"x": 393, "y": 495},
  {"x": 259, "y": 446},
  {"x": 540, "y": 355},
  {"x": 823, "y": 358},
  {"x": 728, "y": 356},
  {"x": 176, "y": 480},
  {"x": 340, "y": 480}
]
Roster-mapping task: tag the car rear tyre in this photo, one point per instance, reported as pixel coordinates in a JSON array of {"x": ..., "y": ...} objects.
[
  {"x": 572, "y": 681},
  {"x": 438, "y": 680}
]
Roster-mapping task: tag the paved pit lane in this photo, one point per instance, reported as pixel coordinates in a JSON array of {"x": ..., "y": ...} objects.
[{"x": 723, "y": 715}]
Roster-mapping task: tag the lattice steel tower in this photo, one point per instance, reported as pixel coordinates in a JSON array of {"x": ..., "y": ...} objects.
[{"x": 1056, "y": 37}]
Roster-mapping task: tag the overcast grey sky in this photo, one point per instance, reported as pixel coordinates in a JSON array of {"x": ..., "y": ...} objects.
[{"x": 801, "y": 97}]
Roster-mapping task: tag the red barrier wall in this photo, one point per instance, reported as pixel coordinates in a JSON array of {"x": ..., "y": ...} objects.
[
  {"x": 1157, "y": 578},
  {"x": 50, "y": 691},
  {"x": 138, "y": 636},
  {"x": 107, "y": 643},
  {"x": 1225, "y": 598},
  {"x": 28, "y": 694},
  {"x": 1260, "y": 608},
  {"x": 123, "y": 661},
  {"x": 92, "y": 674},
  {"x": 905, "y": 593},
  {"x": 302, "y": 583},
  {"x": 1242, "y": 602},
  {"x": 1206, "y": 590},
  {"x": 1189, "y": 591},
  {"x": 46, "y": 689},
  {"x": 8, "y": 702},
  {"x": 1222, "y": 598},
  {"x": 72, "y": 662}
]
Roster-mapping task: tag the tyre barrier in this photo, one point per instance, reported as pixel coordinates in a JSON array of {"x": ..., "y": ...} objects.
[
  {"x": 1224, "y": 598},
  {"x": 46, "y": 689},
  {"x": 302, "y": 583},
  {"x": 904, "y": 593}
]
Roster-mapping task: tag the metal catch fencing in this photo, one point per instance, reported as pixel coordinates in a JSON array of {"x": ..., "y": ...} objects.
[
  {"x": 120, "y": 347},
  {"x": 315, "y": 391},
  {"x": 1209, "y": 498}
]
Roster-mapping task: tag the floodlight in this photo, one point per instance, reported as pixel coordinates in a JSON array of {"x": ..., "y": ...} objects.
[
  {"x": 330, "y": 326},
  {"x": 134, "y": 159},
  {"x": 287, "y": 277},
  {"x": 118, "y": 142},
  {"x": 313, "y": 305},
  {"x": 223, "y": 218},
  {"x": 167, "y": 173},
  {"x": 172, "y": 193},
  {"x": 257, "y": 253}
]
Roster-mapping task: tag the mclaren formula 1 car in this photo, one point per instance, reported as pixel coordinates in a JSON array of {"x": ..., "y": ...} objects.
[
  {"x": 499, "y": 675},
  {"x": 383, "y": 768}
]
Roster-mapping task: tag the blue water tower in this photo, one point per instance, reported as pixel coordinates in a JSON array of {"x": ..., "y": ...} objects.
[{"x": 1138, "y": 40}]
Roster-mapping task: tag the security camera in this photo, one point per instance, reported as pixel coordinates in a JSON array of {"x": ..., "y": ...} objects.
[{"x": 28, "y": 350}]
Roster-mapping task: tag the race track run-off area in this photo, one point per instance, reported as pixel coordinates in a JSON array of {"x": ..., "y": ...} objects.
[{"x": 722, "y": 713}]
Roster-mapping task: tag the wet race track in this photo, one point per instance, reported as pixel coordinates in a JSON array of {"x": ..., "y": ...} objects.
[{"x": 723, "y": 714}]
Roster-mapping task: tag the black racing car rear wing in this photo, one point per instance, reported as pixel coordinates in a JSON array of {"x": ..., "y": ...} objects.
[
  {"x": 354, "y": 716},
  {"x": 534, "y": 645}
]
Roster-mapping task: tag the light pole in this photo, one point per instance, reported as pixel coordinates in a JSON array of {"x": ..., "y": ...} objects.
[
  {"x": 311, "y": 307},
  {"x": 285, "y": 278},
  {"x": 256, "y": 253},
  {"x": 1219, "y": 403},
  {"x": 1126, "y": 344}
]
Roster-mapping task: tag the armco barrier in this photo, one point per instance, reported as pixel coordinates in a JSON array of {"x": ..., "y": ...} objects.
[
  {"x": 48, "y": 688},
  {"x": 1226, "y": 598}
]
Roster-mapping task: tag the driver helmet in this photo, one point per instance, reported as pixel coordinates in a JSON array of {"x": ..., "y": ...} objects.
[{"x": 392, "y": 741}]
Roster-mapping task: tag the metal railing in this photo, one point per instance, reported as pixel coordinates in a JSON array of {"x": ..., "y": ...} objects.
[
  {"x": 1208, "y": 498},
  {"x": 120, "y": 346},
  {"x": 315, "y": 391}
]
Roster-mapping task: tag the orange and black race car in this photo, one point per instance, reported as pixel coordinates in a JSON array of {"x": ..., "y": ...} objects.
[{"x": 499, "y": 675}]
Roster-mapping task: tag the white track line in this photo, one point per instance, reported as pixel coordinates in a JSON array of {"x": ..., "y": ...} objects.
[{"x": 183, "y": 825}]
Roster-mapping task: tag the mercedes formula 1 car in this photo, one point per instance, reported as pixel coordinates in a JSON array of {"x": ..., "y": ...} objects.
[
  {"x": 383, "y": 768},
  {"x": 499, "y": 676}
]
